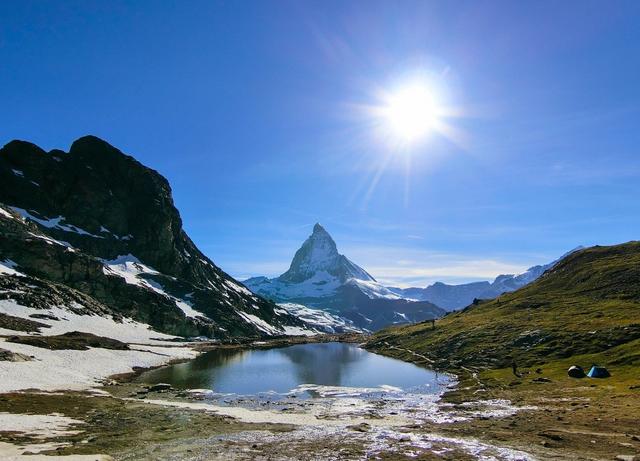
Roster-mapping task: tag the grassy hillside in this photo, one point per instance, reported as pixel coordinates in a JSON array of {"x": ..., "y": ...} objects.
[{"x": 587, "y": 308}]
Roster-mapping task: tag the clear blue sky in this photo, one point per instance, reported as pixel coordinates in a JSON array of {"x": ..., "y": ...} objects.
[{"x": 251, "y": 110}]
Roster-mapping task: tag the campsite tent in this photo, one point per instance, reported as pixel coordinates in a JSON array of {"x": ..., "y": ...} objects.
[
  {"x": 598, "y": 372},
  {"x": 576, "y": 371}
]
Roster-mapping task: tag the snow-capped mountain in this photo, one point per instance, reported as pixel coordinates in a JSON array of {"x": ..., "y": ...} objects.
[
  {"x": 318, "y": 256},
  {"x": 316, "y": 271},
  {"x": 453, "y": 297},
  {"x": 321, "y": 277}
]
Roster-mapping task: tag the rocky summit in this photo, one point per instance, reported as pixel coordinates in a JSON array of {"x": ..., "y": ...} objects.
[
  {"x": 319, "y": 254},
  {"x": 101, "y": 229}
]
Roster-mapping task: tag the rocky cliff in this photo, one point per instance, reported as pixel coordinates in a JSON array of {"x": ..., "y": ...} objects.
[{"x": 99, "y": 222}]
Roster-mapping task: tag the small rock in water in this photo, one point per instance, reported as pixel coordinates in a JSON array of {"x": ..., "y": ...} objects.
[{"x": 159, "y": 387}]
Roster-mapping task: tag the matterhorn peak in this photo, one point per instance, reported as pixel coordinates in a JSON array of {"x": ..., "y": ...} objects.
[{"x": 318, "y": 257}]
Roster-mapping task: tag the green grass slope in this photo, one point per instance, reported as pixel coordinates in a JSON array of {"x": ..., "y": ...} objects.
[{"x": 587, "y": 307}]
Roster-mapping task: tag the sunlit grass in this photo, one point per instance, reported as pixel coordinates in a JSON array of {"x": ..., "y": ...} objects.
[{"x": 587, "y": 310}]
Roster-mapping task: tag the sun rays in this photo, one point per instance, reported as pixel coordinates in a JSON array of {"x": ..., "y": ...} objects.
[{"x": 407, "y": 124}]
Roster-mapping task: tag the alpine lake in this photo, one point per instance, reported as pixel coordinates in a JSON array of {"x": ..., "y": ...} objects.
[{"x": 304, "y": 370}]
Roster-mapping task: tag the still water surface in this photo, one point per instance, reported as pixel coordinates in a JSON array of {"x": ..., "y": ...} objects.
[{"x": 253, "y": 372}]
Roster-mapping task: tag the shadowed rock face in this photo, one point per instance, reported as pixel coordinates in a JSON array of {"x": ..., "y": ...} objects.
[
  {"x": 106, "y": 204},
  {"x": 97, "y": 187}
]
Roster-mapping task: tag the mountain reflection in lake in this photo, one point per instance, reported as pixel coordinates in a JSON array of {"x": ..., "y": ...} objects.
[{"x": 250, "y": 372}]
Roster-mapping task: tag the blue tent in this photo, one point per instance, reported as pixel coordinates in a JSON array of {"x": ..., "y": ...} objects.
[{"x": 598, "y": 372}]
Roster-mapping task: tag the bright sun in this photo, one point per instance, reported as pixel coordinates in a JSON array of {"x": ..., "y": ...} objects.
[{"x": 411, "y": 113}]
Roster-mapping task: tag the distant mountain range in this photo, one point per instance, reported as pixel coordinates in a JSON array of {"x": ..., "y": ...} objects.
[
  {"x": 453, "y": 297},
  {"x": 96, "y": 232},
  {"x": 321, "y": 277}
]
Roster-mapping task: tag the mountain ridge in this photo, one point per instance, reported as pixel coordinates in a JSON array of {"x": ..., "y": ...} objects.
[{"x": 98, "y": 221}]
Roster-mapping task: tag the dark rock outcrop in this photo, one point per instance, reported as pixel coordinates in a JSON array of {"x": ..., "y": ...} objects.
[{"x": 66, "y": 214}]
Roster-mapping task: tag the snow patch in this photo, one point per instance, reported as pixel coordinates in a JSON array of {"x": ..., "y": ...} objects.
[
  {"x": 128, "y": 331},
  {"x": 38, "y": 426},
  {"x": 321, "y": 284},
  {"x": 403, "y": 316},
  {"x": 319, "y": 320},
  {"x": 130, "y": 268},
  {"x": 237, "y": 288},
  {"x": 299, "y": 331},
  {"x": 52, "y": 241},
  {"x": 187, "y": 308},
  {"x": 373, "y": 289},
  {"x": 104, "y": 230},
  {"x": 259, "y": 323},
  {"x": 7, "y": 267},
  {"x": 6, "y": 214},
  {"x": 78, "y": 370},
  {"x": 54, "y": 223}
]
